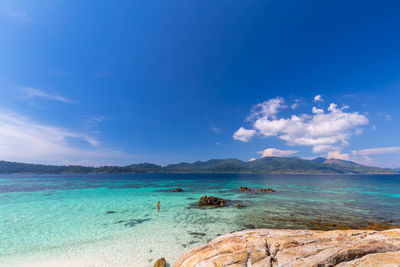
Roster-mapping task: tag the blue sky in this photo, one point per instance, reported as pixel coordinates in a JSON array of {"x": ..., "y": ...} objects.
[{"x": 118, "y": 82}]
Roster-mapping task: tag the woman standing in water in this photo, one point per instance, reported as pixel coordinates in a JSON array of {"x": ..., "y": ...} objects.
[{"x": 158, "y": 206}]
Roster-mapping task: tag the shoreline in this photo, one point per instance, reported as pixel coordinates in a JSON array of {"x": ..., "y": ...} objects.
[
  {"x": 273, "y": 247},
  {"x": 122, "y": 251},
  {"x": 196, "y": 172}
]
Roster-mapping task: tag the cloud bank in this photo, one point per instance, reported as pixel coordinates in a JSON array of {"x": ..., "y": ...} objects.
[
  {"x": 273, "y": 152},
  {"x": 324, "y": 130},
  {"x": 22, "y": 139}
]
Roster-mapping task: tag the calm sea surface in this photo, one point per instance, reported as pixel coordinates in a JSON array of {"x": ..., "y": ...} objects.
[{"x": 112, "y": 220}]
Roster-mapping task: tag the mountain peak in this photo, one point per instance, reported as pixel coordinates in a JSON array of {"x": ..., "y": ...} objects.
[{"x": 319, "y": 159}]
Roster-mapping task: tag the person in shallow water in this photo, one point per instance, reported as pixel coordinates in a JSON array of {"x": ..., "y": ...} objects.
[{"x": 158, "y": 206}]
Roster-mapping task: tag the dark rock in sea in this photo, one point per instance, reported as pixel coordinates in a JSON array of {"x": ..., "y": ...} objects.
[
  {"x": 197, "y": 234},
  {"x": 177, "y": 190},
  {"x": 239, "y": 206},
  {"x": 110, "y": 212},
  {"x": 268, "y": 190},
  {"x": 132, "y": 223},
  {"x": 211, "y": 201},
  {"x": 243, "y": 188},
  {"x": 160, "y": 263}
]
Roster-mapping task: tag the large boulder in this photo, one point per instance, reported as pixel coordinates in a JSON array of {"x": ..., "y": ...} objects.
[
  {"x": 267, "y": 190},
  {"x": 177, "y": 190},
  {"x": 160, "y": 263},
  {"x": 211, "y": 201},
  {"x": 243, "y": 188},
  {"x": 290, "y": 248}
]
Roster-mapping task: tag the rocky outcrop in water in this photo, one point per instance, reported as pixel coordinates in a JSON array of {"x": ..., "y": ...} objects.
[
  {"x": 211, "y": 201},
  {"x": 290, "y": 248},
  {"x": 177, "y": 190},
  {"x": 268, "y": 190},
  {"x": 243, "y": 188},
  {"x": 264, "y": 190}
]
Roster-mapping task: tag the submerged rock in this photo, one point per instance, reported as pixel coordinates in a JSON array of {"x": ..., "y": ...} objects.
[
  {"x": 177, "y": 190},
  {"x": 160, "y": 263},
  {"x": 266, "y": 247},
  {"x": 239, "y": 206},
  {"x": 197, "y": 234},
  {"x": 268, "y": 190},
  {"x": 243, "y": 188},
  {"x": 211, "y": 201},
  {"x": 379, "y": 226}
]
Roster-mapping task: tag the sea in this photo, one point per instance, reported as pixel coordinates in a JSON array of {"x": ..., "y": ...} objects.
[{"x": 112, "y": 219}]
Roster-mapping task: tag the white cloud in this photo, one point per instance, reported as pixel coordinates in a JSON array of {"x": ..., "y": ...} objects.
[
  {"x": 338, "y": 155},
  {"x": 267, "y": 108},
  {"x": 22, "y": 139},
  {"x": 217, "y": 143},
  {"x": 318, "y": 98},
  {"x": 317, "y": 110},
  {"x": 36, "y": 93},
  {"x": 377, "y": 151},
  {"x": 323, "y": 131},
  {"x": 273, "y": 152},
  {"x": 252, "y": 159},
  {"x": 243, "y": 134},
  {"x": 296, "y": 103}
]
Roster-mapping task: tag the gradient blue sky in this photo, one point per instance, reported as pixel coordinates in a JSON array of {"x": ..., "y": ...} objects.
[{"x": 118, "y": 82}]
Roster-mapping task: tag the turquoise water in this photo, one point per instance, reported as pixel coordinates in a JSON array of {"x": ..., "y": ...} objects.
[{"x": 112, "y": 220}]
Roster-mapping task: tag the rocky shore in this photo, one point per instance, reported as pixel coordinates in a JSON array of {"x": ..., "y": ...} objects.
[{"x": 266, "y": 247}]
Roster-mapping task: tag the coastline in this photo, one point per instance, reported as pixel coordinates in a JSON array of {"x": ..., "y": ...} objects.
[
  {"x": 268, "y": 248},
  {"x": 256, "y": 248},
  {"x": 266, "y": 165},
  {"x": 199, "y": 172}
]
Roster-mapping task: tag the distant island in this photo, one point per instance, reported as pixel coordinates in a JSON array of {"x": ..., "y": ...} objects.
[{"x": 263, "y": 165}]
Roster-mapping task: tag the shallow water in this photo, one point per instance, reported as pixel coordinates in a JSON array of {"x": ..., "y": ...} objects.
[{"x": 112, "y": 220}]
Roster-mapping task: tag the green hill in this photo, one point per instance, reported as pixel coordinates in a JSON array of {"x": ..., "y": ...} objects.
[{"x": 263, "y": 165}]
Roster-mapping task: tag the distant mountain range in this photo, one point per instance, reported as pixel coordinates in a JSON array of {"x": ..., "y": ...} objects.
[{"x": 263, "y": 165}]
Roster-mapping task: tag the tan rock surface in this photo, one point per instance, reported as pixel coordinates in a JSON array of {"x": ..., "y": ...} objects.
[
  {"x": 266, "y": 247},
  {"x": 160, "y": 263}
]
